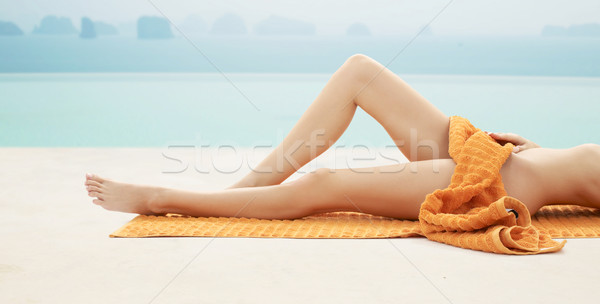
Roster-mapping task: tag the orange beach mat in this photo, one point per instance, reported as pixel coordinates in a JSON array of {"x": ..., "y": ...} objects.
[{"x": 559, "y": 221}]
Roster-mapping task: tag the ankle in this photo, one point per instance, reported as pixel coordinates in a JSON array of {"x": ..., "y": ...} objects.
[{"x": 157, "y": 201}]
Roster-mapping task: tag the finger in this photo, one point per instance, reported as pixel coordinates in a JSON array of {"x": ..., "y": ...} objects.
[
  {"x": 499, "y": 138},
  {"x": 518, "y": 149},
  {"x": 514, "y": 138},
  {"x": 499, "y": 134}
]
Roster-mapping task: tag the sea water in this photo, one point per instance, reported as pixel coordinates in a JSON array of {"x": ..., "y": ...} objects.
[
  {"x": 425, "y": 54},
  {"x": 159, "y": 110}
]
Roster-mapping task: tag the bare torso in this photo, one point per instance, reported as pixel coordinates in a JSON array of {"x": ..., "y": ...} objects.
[{"x": 545, "y": 176}]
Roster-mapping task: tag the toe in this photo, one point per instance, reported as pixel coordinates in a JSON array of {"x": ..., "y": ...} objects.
[
  {"x": 93, "y": 183},
  {"x": 94, "y": 188},
  {"x": 94, "y": 177},
  {"x": 95, "y": 194},
  {"x": 98, "y": 202}
]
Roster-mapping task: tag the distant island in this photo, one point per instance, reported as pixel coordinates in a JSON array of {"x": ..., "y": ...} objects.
[
  {"x": 87, "y": 28},
  {"x": 277, "y": 25},
  {"x": 9, "y": 29},
  {"x": 581, "y": 30},
  {"x": 229, "y": 24},
  {"x": 103, "y": 28},
  {"x": 53, "y": 25},
  {"x": 152, "y": 27},
  {"x": 91, "y": 29}
]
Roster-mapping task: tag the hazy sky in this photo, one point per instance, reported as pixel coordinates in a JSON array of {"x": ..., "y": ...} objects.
[{"x": 462, "y": 17}]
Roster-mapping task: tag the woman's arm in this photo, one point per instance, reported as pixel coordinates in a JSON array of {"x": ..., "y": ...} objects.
[{"x": 521, "y": 143}]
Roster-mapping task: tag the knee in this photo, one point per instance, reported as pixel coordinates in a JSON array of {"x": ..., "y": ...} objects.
[
  {"x": 316, "y": 189},
  {"x": 358, "y": 59},
  {"x": 317, "y": 179},
  {"x": 362, "y": 67}
]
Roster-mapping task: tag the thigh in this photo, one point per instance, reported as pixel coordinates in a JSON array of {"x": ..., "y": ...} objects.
[
  {"x": 399, "y": 190},
  {"x": 392, "y": 191},
  {"x": 419, "y": 129}
]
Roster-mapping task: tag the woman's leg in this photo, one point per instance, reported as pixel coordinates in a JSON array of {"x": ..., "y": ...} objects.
[
  {"x": 418, "y": 128},
  {"x": 393, "y": 191},
  {"x": 536, "y": 177}
]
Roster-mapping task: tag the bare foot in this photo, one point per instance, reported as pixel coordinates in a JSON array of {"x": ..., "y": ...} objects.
[{"x": 122, "y": 197}]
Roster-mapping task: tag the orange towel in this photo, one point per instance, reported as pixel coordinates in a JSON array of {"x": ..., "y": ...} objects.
[
  {"x": 560, "y": 221},
  {"x": 472, "y": 212}
]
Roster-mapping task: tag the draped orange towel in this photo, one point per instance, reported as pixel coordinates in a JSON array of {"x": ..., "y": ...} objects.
[{"x": 472, "y": 212}]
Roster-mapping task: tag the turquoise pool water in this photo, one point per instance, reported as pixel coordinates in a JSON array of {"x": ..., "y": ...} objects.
[{"x": 156, "y": 110}]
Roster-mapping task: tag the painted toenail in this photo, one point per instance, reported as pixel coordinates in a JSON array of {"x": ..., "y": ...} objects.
[{"x": 88, "y": 175}]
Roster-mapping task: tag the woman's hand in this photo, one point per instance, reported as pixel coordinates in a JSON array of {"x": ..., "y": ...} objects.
[{"x": 521, "y": 144}]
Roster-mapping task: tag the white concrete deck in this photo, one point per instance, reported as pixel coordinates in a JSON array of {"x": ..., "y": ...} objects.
[{"x": 55, "y": 249}]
